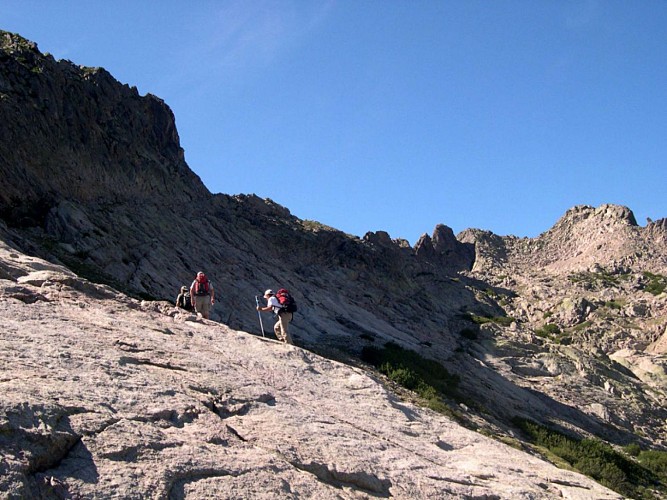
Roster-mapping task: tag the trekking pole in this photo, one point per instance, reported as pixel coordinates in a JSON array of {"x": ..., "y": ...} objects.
[{"x": 261, "y": 325}]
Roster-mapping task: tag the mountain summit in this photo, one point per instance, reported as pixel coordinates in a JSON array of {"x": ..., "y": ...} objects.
[{"x": 564, "y": 333}]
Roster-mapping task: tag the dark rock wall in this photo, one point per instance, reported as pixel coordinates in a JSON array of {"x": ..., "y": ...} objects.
[
  {"x": 97, "y": 170},
  {"x": 75, "y": 133}
]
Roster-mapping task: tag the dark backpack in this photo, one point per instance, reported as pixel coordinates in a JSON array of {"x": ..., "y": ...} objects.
[
  {"x": 202, "y": 287},
  {"x": 184, "y": 301},
  {"x": 287, "y": 302}
]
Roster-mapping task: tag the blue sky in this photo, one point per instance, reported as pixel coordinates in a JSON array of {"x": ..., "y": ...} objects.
[{"x": 395, "y": 115}]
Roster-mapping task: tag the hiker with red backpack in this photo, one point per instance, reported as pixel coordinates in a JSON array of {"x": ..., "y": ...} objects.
[
  {"x": 284, "y": 307},
  {"x": 202, "y": 295}
]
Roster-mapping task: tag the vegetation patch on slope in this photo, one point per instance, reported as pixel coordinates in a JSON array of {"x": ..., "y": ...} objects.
[
  {"x": 428, "y": 378},
  {"x": 594, "y": 458},
  {"x": 656, "y": 283}
]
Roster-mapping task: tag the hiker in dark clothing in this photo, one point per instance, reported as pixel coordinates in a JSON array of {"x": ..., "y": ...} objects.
[
  {"x": 183, "y": 300},
  {"x": 202, "y": 295}
]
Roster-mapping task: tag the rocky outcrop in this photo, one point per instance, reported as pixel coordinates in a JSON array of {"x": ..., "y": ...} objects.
[
  {"x": 584, "y": 237},
  {"x": 444, "y": 250},
  {"x": 490, "y": 249},
  {"x": 75, "y": 133}
]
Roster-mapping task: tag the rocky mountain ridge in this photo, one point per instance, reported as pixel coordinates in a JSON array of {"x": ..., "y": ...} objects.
[
  {"x": 567, "y": 329},
  {"x": 77, "y": 133},
  {"x": 583, "y": 238}
]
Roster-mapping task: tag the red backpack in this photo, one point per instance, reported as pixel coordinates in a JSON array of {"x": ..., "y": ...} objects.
[
  {"x": 286, "y": 300},
  {"x": 202, "y": 287}
]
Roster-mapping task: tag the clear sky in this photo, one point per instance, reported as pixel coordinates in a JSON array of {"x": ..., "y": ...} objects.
[{"x": 395, "y": 115}]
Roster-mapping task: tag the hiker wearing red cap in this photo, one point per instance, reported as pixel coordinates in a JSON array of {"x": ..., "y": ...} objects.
[{"x": 202, "y": 295}]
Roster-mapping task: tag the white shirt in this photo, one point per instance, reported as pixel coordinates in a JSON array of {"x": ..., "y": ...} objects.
[{"x": 275, "y": 303}]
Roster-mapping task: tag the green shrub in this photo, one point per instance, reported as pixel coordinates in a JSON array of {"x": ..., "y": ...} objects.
[
  {"x": 599, "y": 460},
  {"x": 313, "y": 225},
  {"x": 401, "y": 375},
  {"x": 478, "y": 320},
  {"x": 657, "y": 283},
  {"x": 582, "y": 326},
  {"x": 655, "y": 461},
  {"x": 501, "y": 320},
  {"x": 548, "y": 330},
  {"x": 604, "y": 279},
  {"x": 552, "y": 328},
  {"x": 633, "y": 449},
  {"x": 426, "y": 377}
]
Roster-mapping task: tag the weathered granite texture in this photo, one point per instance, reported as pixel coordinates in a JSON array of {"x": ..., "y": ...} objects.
[{"x": 104, "y": 396}]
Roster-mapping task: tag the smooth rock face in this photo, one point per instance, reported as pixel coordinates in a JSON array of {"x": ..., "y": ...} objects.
[{"x": 104, "y": 396}]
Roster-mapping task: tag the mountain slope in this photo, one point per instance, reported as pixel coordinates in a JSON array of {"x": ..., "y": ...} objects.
[
  {"x": 567, "y": 329},
  {"x": 117, "y": 398}
]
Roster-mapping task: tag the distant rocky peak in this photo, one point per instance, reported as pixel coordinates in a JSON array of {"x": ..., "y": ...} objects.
[
  {"x": 657, "y": 230},
  {"x": 584, "y": 236},
  {"x": 381, "y": 238},
  {"x": 658, "y": 225},
  {"x": 443, "y": 238},
  {"x": 444, "y": 249},
  {"x": 606, "y": 214},
  {"x": 16, "y": 44},
  {"x": 424, "y": 246}
]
